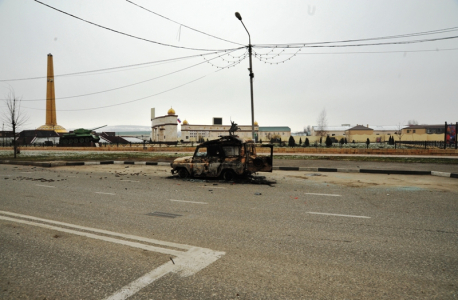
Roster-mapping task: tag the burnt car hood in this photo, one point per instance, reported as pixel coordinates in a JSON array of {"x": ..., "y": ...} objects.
[{"x": 181, "y": 160}]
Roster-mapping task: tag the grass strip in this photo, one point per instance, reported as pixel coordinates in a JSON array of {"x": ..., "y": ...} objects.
[{"x": 426, "y": 160}]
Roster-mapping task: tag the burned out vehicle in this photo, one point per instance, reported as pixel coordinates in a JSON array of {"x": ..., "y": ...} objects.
[{"x": 228, "y": 157}]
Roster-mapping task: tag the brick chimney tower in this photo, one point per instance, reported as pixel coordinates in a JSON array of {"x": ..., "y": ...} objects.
[{"x": 51, "y": 121}]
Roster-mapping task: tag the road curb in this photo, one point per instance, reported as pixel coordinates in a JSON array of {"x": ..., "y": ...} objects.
[{"x": 306, "y": 169}]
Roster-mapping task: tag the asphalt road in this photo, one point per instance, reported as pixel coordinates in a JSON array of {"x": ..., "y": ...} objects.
[{"x": 91, "y": 232}]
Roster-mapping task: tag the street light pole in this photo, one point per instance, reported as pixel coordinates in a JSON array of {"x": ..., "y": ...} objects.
[{"x": 238, "y": 16}]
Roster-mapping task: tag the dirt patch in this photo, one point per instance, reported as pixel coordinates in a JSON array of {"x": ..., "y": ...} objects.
[
  {"x": 401, "y": 182},
  {"x": 301, "y": 177}
]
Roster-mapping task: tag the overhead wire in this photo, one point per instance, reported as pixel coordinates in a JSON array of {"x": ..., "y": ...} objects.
[
  {"x": 437, "y": 31},
  {"x": 115, "y": 68},
  {"x": 181, "y": 24},
  {"x": 135, "y": 100},
  {"x": 354, "y": 45},
  {"x": 129, "y": 85},
  {"x": 369, "y": 52},
  {"x": 126, "y": 102},
  {"x": 278, "y": 62},
  {"x": 230, "y": 63},
  {"x": 127, "y": 34},
  {"x": 267, "y": 58}
]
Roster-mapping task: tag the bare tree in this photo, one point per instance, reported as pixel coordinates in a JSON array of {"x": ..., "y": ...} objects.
[
  {"x": 399, "y": 132},
  {"x": 308, "y": 129},
  {"x": 322, "y": 123},
  {"x": 412, "y": 122},
  {"x": 13, "y": 116}
]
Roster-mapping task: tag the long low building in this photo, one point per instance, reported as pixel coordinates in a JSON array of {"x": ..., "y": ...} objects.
[
  {"x": 349, "y": 130},
  {"x": 195, "y": 133}
]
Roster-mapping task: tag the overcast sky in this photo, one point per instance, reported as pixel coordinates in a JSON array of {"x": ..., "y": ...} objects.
[{"x": 378, "y": 85}]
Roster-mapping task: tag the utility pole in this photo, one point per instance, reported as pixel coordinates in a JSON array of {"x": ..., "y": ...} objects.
[{"x": 238, "y": 16}]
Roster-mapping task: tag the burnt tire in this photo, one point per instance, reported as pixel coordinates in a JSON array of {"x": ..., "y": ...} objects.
[
  {"x": 183, "y": 173},
  {"x": 228, "y": 175}
]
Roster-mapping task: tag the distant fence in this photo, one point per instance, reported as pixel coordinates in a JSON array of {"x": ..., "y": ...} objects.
[
  {"x": 146, "y": 145},
  {"x": 100, "y": 145},
  {"x": 425, "y": 145}
]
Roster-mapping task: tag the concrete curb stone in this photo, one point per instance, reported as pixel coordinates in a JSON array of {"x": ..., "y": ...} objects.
[{"x": 307, "y": 169}]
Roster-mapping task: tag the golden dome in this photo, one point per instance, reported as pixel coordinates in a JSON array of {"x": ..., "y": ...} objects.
[
  {"x": 56, "y": 128},
  {"x": 171, "y": 111},
  {"x": 256, "y": 123},
  {"x": 185, "y": 122}
]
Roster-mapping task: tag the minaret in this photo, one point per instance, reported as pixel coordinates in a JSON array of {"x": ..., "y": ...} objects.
[{"x": 51, "y": 121}]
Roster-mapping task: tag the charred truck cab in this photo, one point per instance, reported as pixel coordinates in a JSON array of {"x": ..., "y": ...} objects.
[{"x": 228, "y": 157}]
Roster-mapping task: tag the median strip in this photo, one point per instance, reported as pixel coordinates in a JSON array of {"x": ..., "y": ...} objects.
[{"x": 311, "y": 169}]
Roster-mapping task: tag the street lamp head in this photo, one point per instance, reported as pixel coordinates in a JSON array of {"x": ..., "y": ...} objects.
[{"x": 238, "y": 16}]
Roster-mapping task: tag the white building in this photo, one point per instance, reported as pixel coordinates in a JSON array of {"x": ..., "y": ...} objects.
[
  {"x": 164, "y": 128},
  {"x": 194, "y": 133}
]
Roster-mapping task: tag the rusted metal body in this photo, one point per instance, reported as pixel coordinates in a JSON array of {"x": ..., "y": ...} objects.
[{"x": 228, "y": 157}]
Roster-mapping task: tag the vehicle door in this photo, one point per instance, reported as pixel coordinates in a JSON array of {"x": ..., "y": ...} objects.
[
  {"x": 233, "y": 159},
  {"x": 215, "y": 157},
  {"x": 199, "y": 162}
]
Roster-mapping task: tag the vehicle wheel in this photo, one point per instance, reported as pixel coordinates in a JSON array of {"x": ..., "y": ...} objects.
[
  {"x": 183, "y": 173},
  {"x": 229, "y": 175},
  {"x": 87, "y": 140}
]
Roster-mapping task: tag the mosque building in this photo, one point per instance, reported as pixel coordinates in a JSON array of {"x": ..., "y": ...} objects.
[{"x": 164, "y": 128}]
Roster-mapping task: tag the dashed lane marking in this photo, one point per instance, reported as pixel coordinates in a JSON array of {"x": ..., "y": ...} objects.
[
  {"x": 188, "y": 261},
  {"x": 188, "y": 201},
  {"x": 105, "y": 193},
  {"x": 316, "y": 194},
  {"x": 337, "y": 215},
  {"x": 48, "y": 186},
  {"x": 211, "y": 186},
  {"x": 129, "y": 180}
]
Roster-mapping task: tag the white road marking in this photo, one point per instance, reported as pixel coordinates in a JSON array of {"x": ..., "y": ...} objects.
[
  {"x": 129, "y": 180},
  {"x": 105, "y": 193},
  {"x": 187, "y": 262},
  {"x": 97, "y": 237},
  {"x": 48, "y": 186},
  {"x": 332, "y": 195},
  {"x": 112, "y": 233},
  {"x": 188, "y": 201},
  {"x": 185, "y": 265},
  {"x": 26, "y": 172},
  {"x": 211, "y": 187},
  {"x": 337, "y": 215}
]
